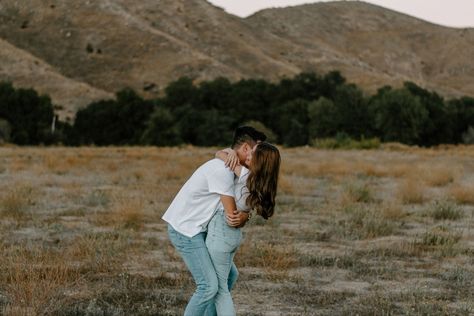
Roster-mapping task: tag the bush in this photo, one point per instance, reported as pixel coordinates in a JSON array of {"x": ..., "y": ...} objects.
[
  {"x": 291, "y": 122},
  {"x": 5, "y": 131},
  {"x": 398, "y": 116},
  {"x": 342, "y": 141},
  {"x": 468, "y": 136},
  {"x": 114, "y": 122},
  {"x": 29, "y": 115},
  {"x": 323, "y": 111},
  {"x": 446, "y": 210},
  {"x": 364, "y": 223},
  {"x": 161, "y": 129}
]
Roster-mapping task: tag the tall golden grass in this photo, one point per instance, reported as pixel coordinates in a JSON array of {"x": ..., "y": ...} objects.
[
  {"x": 95, "y": 217},
  {"x": 411, "y": 191},
  {"x": 439, "y": 175},
  {"x": 16, "y": 201},
  {"x": 125, "y": 213},
  {"x": 34, "y": 279},
  {"x": 463, "y": 194}
]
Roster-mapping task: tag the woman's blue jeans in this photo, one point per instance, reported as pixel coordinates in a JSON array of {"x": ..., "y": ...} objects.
[
  {"x": 196, "y": 257},
  {"x": 222, "y": 242}
]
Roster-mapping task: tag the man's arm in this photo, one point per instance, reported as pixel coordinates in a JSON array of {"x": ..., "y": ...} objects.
[{"x": 234, "y": 218}]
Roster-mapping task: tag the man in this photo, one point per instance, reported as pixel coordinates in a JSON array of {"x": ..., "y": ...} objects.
[{"x": 192, "y": 209}]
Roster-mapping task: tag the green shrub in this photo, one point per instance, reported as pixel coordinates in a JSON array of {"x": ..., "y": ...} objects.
[
  {"x": 445, "y": 210},
  {"x": 342, "y": 141}
]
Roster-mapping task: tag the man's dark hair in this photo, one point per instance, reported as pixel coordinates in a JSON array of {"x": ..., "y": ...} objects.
[{"x": 247, "y": 134}]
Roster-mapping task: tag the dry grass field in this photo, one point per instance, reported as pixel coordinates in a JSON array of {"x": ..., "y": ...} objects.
[{"x": 377, "y": 232}]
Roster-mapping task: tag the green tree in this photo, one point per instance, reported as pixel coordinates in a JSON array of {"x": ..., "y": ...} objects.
[
  {"x": 214, "y": 94},
  {"x": 461, "y": 114},
  {"x": 214, "y": 129},
  {"x": 5, "y": 131},
  {"x": 291, "y": 122},
  {"x": 437, "y": 128},
  {"x": 180, "y": 92},
  {"x": 352, "y": 115},
  {"x": 114, "y": 122},
  {"x": 188, "y": 120},
  {"x": 250, "y": 99},
  {"x": 323, "y": 117},
  {"x": 306, "y": 86},
  {"x": 330, "y": 82},
  {"x": 398, "y": 116},
  {"x": 347, "y": 113},
  {"x": 29, "y": 114},
  {"x": 161, "y": 129}
]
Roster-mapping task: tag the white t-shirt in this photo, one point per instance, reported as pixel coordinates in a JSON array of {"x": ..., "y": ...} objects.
[{"x": 196, "y": 202}]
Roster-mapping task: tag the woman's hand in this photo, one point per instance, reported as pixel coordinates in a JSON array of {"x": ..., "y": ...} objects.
[
  {"x": 237, "y": 219},
  {"x": 232, "y": 160}
]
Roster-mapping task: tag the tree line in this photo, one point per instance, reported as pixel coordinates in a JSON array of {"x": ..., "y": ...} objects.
[{"x": 294, "y": 112}]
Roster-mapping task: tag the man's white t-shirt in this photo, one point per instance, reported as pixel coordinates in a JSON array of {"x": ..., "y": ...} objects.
[{"x": 196, "y": 202}]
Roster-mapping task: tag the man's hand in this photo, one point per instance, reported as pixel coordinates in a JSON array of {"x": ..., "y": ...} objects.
[{"x": 237, "y": 219}]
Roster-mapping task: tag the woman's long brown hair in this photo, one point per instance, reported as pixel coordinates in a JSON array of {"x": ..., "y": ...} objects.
[{"x": 262, "y": 182}]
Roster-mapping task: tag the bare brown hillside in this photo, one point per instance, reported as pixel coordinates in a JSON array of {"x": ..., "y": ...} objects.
[
  {"x": 375, "y": 46},
  {"x": 25, "y": 70},
  {"x": 111, "y": 44}
]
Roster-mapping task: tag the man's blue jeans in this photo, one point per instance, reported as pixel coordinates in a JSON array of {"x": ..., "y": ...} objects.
[{"x": 196, "y": 257}]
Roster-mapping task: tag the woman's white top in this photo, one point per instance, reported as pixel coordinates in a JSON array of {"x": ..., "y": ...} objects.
[{"x": 241, "y": 190}]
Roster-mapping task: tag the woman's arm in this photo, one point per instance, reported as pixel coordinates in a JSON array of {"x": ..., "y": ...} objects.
[
  {"x": 230, "y": 208},
  {"x": 231, "y": 160},
  {"x": 234, "y": 218}
]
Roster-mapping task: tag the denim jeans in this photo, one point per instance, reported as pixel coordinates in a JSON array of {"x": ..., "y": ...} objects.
[
  {"x": 196, "y": 257},
  {"x": 222, "y": 242}
]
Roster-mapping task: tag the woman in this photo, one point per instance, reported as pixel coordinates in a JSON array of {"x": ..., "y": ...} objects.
[{"x": 255, "y": 189}]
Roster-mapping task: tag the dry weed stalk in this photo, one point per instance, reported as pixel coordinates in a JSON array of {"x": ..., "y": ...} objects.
[
  {"x": 463, "y": 194},
  {"x": 125, "y": 213},
  {"x": 356, "y": 192},
  {"x": 393, "y": 211},
  {"x": 411, "y": 191},
  {"x": 35, "y": 279},
  {"x": 267, "y": 256},
  {"x": 439, "y": 175},
  {"x": 17, "y": 200},
  {"x": 286, "y": 185},
  {"x": 98, "y": 253}
]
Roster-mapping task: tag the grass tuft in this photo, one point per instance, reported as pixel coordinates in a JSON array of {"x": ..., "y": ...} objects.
[
  {"x": 463, "y": 194},
  {"x": 357, "y": 192},
  {"x": 17, "y": 201},
  {"x": 446, "y": 210},
  {"x": 411, "y": 192}
]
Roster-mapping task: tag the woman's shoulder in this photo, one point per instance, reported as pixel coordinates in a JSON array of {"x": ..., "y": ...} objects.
[{"x": 244, "y": 173}]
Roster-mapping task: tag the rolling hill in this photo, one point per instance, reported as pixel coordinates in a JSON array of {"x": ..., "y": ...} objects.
[{"x": 83, "y": 50}]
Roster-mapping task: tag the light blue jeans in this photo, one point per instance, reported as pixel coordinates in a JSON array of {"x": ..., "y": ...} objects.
[
  {"x": 222, "y": 242},
  {"x": 196, "y": 257}
]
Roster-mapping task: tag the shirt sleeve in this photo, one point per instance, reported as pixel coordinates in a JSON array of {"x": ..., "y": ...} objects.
[
  {"x": 244, "y": 174},
  {"x": 221, "y": 181}
]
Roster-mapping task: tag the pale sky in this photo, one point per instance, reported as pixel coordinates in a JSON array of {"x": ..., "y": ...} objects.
[{"x": 454, "y": 13}]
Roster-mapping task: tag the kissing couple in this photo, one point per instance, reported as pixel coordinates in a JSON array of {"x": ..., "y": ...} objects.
[{"x": 206, "y": 216}]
